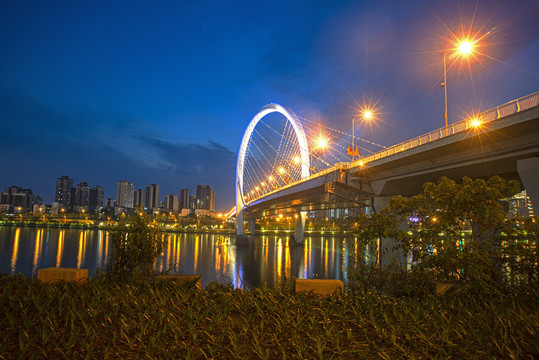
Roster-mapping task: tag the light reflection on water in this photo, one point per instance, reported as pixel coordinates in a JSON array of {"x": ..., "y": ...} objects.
[
  {"x": 60, "y": 251},
  {"x": 269, "y": 259},
  {"x": 15, "y": 253}
]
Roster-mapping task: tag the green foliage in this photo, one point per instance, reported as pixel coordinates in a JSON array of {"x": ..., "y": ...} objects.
[
  {"x": 392, "y": 280},
  {"x": 101, "y": 320},
  {"x": 135, "y": 244},
  {"x": 462, "y": 234}
]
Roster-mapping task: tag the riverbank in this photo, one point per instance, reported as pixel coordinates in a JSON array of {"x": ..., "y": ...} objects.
[
  {"x": 112, "y": 320},
  {"x": 103, "y": 226},
  {"x": 92, "y": 226}
]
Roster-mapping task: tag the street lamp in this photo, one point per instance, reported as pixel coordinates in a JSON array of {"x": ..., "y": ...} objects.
[
  {"x": 321, "y": 143},
  {"x": 464, "y": 48},
  {"x": 367, "y": 115}
]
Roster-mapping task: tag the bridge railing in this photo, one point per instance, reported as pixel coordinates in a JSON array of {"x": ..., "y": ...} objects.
[
  {"x": 512, "y": 107},
  {"x": 312, "y": 176}
]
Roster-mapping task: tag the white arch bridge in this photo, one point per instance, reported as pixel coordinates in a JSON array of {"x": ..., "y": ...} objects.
[{"x": 501, "y": 141}]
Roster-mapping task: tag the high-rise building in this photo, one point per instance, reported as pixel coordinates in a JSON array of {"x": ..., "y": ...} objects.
[
  {"x": 17, "y": 198},
  {"x": 205, "y": 197},
  {"x": 110, "y": 203},
  {"x": 97, "y": 194},
  {"x": 520, "y": 204},
  {"x": 185, "y": 199},
  {"x": 139, "y": 198},
  {"x": 82, "y": 194},
  {"x": 63, "y": 191},
  {"x": 125, "y": 195},
  {"x": 151, "y": 201},
  {"x": 171, "y": 203}
]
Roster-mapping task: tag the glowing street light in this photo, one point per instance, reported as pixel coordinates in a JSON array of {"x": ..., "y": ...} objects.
[
  {"x": 282, "y": 170},
  {"x": 475, "y": 122},
  {"x": 297, "y": 160},
  {"x": 464, "y": 48},
  {"x": 321, "y": 142},
  {"x": 366, "y": 115}
]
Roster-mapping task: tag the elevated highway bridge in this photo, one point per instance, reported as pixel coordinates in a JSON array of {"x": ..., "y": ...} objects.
[{"x": 502, "y": 141}]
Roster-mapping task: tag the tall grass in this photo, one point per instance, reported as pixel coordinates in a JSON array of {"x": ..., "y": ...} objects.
[{"x": 117, "y": 320}]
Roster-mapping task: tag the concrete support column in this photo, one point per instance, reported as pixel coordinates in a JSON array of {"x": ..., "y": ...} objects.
[
  {"x": 380, "y": 202},
  {"x": 252, "y": 224},
  {"x": 528, "y": 170},
  {"x": 387, "y": 255},
  {"x": 241, "y": 237},
  {"x": 240, "y": 228},
  {"x": 299, "y": 230}
]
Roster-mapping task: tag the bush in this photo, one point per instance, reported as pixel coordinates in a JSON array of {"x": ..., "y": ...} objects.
[
  {"x": 392, "y": 280},
  {"x": 460, "y": 232},
  {"x": 135, "y": 244}
]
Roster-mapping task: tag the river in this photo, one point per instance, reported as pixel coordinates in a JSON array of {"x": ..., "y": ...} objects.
[{"x": 270, "y": 259}]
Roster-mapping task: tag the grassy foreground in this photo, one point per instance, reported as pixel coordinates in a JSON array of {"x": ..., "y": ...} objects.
[{"x": 111, "y": 320}]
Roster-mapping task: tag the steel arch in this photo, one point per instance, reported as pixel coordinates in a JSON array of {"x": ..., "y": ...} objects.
[{"x": 304, "y": 152}]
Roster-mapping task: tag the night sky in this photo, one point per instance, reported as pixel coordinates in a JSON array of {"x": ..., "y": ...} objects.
[{"x": 162, "y": 91}]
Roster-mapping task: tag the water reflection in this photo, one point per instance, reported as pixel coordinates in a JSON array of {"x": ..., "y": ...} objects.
[
  {"x": 197, "y": 245},
  {"x": 82, "y": 248},
  {"x": 99, "y": 257},
  {"x": 106, "y": 248},
  {"x": 15, "y": 253},
  {"x": 269, "y": 259},
  {"x": 60, "y": 250},
  {"x": 37, "y": 251}
]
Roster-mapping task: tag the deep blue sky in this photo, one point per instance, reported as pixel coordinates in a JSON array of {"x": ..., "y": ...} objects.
[{"x": 161, "y": 91}]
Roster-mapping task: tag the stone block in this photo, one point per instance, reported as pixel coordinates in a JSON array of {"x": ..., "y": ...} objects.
[
  {"x": 62, "y": 274},
  {"x": 450, "y": 287},
  {"x": 181, "y": 279},
  {"x": 323, "y": 287}
]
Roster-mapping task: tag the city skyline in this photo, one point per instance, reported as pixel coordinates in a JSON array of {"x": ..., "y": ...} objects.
[
  {"x": 81, "y": 196},
  {"x": 162, "y": 93}
]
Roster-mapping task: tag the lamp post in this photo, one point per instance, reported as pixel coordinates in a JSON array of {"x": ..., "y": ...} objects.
[
  {"x": 353, "y": 136},
  {"x": 464, "y": 48},
  {"x": 367, "y": 115},
  {"x": 321, "y": 143},
  {"x": 444, "y": 85}
]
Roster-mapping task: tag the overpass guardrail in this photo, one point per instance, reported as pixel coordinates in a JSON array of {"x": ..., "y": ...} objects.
[{"x": 512, "y": 107}]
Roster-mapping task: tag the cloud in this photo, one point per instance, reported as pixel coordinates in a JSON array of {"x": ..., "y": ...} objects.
[
  {"x": 103, "y": 148},
  {"x": 184, "y": 165}
]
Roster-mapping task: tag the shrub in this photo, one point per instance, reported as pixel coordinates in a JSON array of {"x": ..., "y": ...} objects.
[
  {"x": 460, "y": 233},
  {"x": 135, "y": 244}
]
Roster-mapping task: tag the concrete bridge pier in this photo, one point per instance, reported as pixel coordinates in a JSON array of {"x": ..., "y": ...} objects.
[
  {"x": 387, "y": 255},
  {"x": 528, "y": 170},
  {"x": 251, "y": 224},
  {"x": 240, "y": 229},
  {"x": 241, "y": 237},
  {"x": 299, "y": 230}
]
